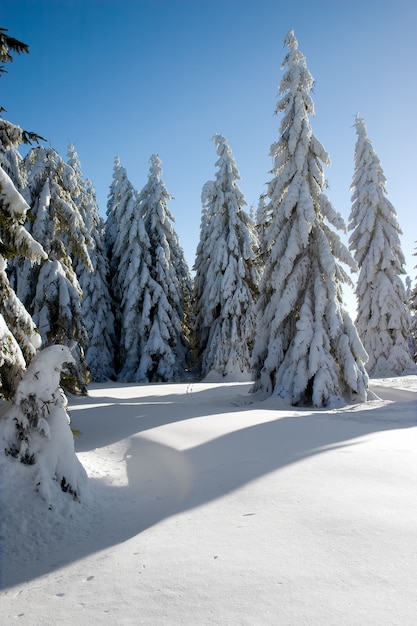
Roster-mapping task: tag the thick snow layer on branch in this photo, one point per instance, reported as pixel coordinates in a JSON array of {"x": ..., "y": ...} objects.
[
  {"x": 16, "y": 207},
  {"x": 9, "y": 194}
]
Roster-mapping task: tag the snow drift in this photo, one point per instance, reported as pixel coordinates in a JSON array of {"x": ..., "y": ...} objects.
[{"x": 205, "y": 509}]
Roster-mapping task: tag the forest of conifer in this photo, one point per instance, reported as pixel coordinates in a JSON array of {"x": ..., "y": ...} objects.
[{"x": 264, "y": 300}]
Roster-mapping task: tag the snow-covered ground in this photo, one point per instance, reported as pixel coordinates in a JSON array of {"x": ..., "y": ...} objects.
[{"x": 206, "y": 509}]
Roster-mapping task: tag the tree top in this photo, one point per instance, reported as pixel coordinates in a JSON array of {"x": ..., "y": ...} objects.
[{"x": 291, "y": 41}]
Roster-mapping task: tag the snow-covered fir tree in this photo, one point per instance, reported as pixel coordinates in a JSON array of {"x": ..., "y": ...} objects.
[
  {"x": 96, "y": 305},
  {"x": 121, "y": 211},
  {"x": 307, "y": 349},
  {"x": 11, "y": 136},
  {"x": 153, "y": 277},
  {"x": 383, "y": 319},
  {"x": 19, "y": 338},
  {"x": 168, "y": 338},
  {"x": 119, "y": 204},
  {"x": 121, "y": 200},
  {"x": 131, "y": 247},
  {"x": 37, "y": 430},
  {"x": 226, "y": 276},
  {"x": 52, "y": 292},
  {"x": 96, "y": 302}
]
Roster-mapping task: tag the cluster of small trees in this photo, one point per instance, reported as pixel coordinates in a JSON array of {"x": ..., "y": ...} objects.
[{"x": 266, "y": 300}]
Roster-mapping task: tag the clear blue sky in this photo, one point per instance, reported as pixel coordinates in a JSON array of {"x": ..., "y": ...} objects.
[{"x": 134, "y": 77}]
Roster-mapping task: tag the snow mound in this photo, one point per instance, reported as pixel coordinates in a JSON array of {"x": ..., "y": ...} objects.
[{"x": 36, "y": 429}]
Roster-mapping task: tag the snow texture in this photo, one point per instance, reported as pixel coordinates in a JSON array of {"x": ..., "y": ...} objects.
[
  {"x": 307, "y": 349},
  {"x": 383, "y": 320},
  {"x": 203, "y": 509}
]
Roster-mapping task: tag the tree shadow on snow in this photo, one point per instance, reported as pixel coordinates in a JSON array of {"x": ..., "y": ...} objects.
[
  {"x": 162, "y": 481},
  {"x": 117, "y": 418}
]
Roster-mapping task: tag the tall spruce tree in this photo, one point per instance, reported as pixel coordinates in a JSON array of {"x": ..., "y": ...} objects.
[
  {"x": 19, "y": 338},
  {"x": 121, "y": 195},
  {"x": 307, "y": 350},
  {"x": 383, "y": 319},
  {"x": 36, "y": 429},
  {"x": 226, "y": 273},
  {"x": 154, "y": 277},
  {"x": 121, "y": 200},
  {"x": 131, "y": 248},
  {"x": 52, "y": 292},
  {"x": 96, "y": 302}
]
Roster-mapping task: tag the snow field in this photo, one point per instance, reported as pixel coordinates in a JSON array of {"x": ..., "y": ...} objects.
[{"x": 206, "y": 509}]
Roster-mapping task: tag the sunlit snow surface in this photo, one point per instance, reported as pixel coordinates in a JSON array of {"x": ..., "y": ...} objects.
[{"x": 206, "y": 508}]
